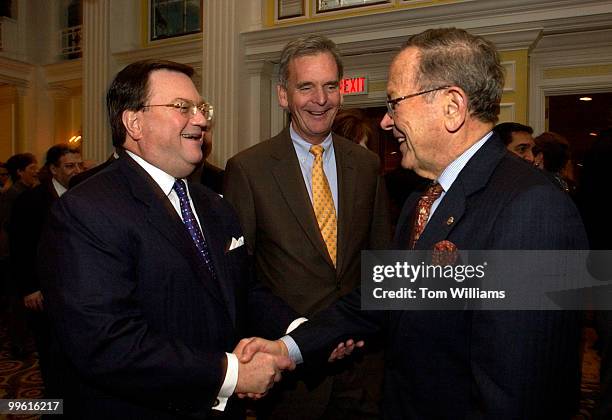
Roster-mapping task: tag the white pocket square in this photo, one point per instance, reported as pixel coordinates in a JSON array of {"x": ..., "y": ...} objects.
[{"x": 236, "y": 243}]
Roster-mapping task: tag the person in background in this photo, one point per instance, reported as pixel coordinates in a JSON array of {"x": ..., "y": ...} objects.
[
  {"x": 518, "y": 139},
  {"x": 92, "y": 170},
  {"x": 23, "y": 170},
  {"x": 29, "y": 214},
  {"x": 5, "y": 184},
  {"x": 208, "y": 174},
  {"x": 309, "y": 201},
  {"x": 353, "y": 124},
  {"x": 5, "y": 178},
  {"x": 595, "y": 181},
  {"x": 552, "y": 154}
]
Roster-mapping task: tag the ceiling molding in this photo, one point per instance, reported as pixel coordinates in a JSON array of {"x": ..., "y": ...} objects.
[
  {"x": 14, "y": 72},
  {"x": 67, "y": 73},
  {"x": 510, "y": 24},
  {"x": 189, "y": 52}
]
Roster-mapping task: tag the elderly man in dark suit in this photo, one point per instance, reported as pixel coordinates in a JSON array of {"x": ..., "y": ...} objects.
[
  {"x": 444, "y": 91},
  {"x": 150, "y": 289},
  {"x": 306, "y": 241}
]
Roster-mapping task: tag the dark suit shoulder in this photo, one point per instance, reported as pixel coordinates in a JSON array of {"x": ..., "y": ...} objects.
[
  {"x": 39, "y": 194},
  {"x": 515, "y": 175},
  {"x": 212, "y": 199}
]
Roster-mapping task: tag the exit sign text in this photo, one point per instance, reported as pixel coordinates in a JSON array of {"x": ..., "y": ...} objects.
[{"x": 354, "y": 86}]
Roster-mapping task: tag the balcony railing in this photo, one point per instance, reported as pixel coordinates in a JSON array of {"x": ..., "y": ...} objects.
[{"x": 70, "y": 42}]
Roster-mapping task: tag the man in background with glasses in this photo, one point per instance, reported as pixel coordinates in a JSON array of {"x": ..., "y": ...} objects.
[
  {"x": 444, "y": 91},
  {"x": 146, "y": 277}
]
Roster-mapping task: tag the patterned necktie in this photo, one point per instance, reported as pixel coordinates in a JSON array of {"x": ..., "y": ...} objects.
[
  {"x": 192, "y": 224},
  {"x": 423, "y": 209},
  {"x": 323, "y": 203}
]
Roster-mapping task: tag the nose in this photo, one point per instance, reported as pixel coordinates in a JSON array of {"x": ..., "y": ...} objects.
[
  {"x": 320, "y": 96},
  {"x": 387, "y": 122},
  {"x": 199, "y": 120}
]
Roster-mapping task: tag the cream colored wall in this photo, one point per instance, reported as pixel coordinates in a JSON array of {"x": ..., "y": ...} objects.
[
  {"x": 516, "y": 89},
  {"x": 566, "y": 64}
]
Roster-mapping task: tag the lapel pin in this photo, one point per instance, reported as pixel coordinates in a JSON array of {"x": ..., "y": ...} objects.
[{"x": 450, "y": 221}]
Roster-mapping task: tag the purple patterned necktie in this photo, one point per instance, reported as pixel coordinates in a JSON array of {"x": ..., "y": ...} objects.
[{"x": 192, "y": 224}]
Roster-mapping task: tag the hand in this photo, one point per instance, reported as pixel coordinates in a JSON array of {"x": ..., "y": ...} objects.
[
  {"x": 247, "y": 347},
  {"x": 34, "y": 301},
  {"x": 256, "y": 377},
  {"x": 344, "y": 349}
]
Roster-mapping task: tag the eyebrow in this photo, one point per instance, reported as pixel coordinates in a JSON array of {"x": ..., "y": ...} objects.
[{"x": 200, "y": 101}]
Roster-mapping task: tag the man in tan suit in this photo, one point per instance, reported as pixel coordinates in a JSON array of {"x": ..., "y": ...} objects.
[{"x": 308, "y": 258}]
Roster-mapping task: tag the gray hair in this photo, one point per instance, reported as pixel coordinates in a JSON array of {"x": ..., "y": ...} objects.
[
  {"x": 451, "y": 56},
  {"x": 307, "y": 45}
]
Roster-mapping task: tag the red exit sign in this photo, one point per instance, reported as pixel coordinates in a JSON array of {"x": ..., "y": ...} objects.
[{"x": 354, "y": 86}]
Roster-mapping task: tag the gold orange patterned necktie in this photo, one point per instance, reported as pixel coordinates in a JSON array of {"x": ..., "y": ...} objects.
[
  {"x": 423, "y": 209},
  {"x": 323, "y": 203}
]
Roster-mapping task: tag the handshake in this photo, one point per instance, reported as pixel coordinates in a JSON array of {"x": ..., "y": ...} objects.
[{"x": 261, "y": 364}]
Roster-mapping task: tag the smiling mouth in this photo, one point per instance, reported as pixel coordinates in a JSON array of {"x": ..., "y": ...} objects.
[
  {"x": 318, "y": 113},
  {"x": 192, "y": 136}
]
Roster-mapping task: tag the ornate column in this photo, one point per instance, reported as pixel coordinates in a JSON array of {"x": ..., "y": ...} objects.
[
  {"x": 97, "y": 142},
  {"x": 62, "y": 127},
  {"x": 24, "y": 140},
  {"x": 220, "y": 74},
  {"x": 259, "y": 98}
]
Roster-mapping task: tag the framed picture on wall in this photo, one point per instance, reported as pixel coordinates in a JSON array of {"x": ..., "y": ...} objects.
[
  {"x": 286, "y": 9},
  {"x": 172, "y": 18},
  {"x": 330, "y": 5}
]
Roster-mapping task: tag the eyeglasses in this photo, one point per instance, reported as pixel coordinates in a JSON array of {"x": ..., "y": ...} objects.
[
  {"x": 189, "y": 109},
  {"x": 391, "y": 103}
]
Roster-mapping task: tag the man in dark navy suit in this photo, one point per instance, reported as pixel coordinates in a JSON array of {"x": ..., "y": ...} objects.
[
  {"x": 444, "y": 91},
  {"x": 150, "y": 289}
]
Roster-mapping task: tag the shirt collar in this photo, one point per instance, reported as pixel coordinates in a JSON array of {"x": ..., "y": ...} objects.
[
  {"x": 59, "y": 188},
  {"x": 303, "y": 146},
  {"x": 164, "y": 180},
  {"x": 452, "y": 171}
]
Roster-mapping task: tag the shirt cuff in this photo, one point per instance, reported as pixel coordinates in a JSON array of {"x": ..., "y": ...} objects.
[
  {"x": 292, "y": 348},
  {"x": 229, "y": 383},
  {"x": 296, "y": 323}
]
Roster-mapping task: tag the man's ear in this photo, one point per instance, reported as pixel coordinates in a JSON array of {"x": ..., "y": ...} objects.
[
  {"x": 53, "y": 169},
  {"x": 133, "y": 123},
  {"x": 455, "y": 108},
  {"x": 281, "y": 91}
]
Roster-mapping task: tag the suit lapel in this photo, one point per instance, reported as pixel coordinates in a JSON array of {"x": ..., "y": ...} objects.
[
  {"x": 449, "y": 212},
  {"x": 164, "y": 218},
  {"x": 215, "y": 238},
  {"x": 347, "y": 183},
  {"x": 290, "y": 180},
  {"x": 472, "y": 178}
]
